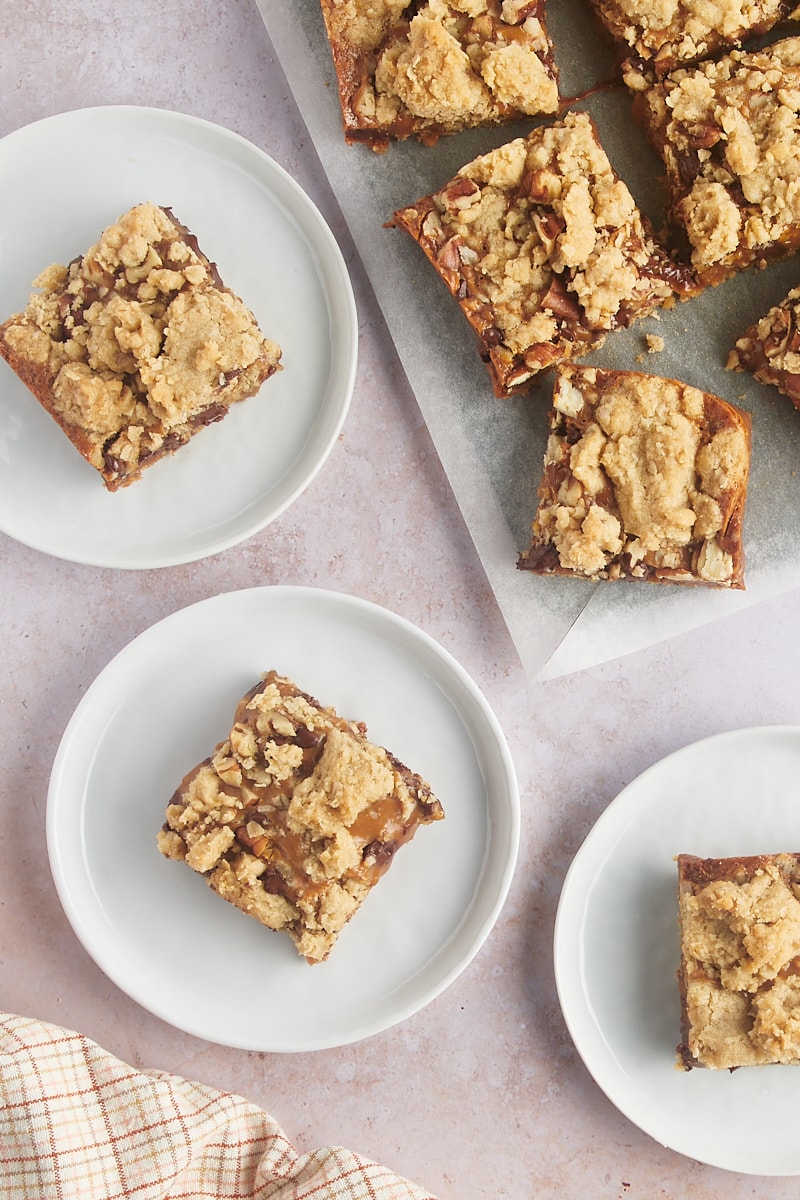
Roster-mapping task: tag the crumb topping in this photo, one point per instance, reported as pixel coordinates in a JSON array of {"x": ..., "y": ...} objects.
[
  {"x": 749, "y": 931},
  {"x": 365, "y": 23},
  {"x": 544, "y": 247},
  {"x": 459, "y": 65},
  {"x": 641, "y": 477},
  {"x": 137, "y": 344},
  {"x": 449, "y": 65},
  {"x": 740, "y": 939},
  {"x": 296, "y": 815},
  {"x": 729, "y": 134},
  {"x": 771, "y": 348},
  {"x": 662, "y": 34},
  {"x": 593, "y": 232}
]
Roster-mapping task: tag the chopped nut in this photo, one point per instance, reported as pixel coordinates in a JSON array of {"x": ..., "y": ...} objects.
[{"x": 282, "y": 725}]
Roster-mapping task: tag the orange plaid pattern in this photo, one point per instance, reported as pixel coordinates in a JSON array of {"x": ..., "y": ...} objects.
[{"x": 78, "y": 1124}]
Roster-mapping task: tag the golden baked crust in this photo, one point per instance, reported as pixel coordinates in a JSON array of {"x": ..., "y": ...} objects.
[
  {"x": 644, "y": 478},
  {"x": 770, "y": 348},
  {"x": 739, "y": 975},
  {"x": 434, "y": 67},
  {"x": 136, "y": 345},
  {"x": 545, "y": 250},
  {"x": 656, "y": 36},
  {"x": 729, "y": 135},
  {"x": 296, "y": 815}
]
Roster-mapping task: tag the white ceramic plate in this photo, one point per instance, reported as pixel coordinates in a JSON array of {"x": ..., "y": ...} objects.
[
  {"x": 272, "y": 248},
  {"x": 157, "y": 929},
  {"x": 617, "y": 946}
]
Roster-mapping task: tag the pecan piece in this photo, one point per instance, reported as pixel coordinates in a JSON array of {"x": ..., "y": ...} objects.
[
  {"x": 549, "y": 227},
  {"x": 461, "y": 193},
  {"x": 558, "y": 300},
  {"x": 540, "y": 185},
  {"x": 703, "y": 137}
]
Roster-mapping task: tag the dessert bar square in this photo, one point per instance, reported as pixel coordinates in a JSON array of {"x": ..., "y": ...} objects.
[
  {"x": 296, "y": 815},
  {"x": 644, "y": 478},
  {"x": 544, "y": 249},
  {"x": 656, "y": 37},
  {"x": 434, "y": 67},
  {"x": 136, "y": 345},
  {"x": 739, "y": 976},
  {"x": 729, "y": 135},
  {"x": 770, "y": 349}
]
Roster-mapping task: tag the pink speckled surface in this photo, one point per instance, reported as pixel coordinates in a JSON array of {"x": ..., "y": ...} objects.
[{"x": 481, "y": 1094}]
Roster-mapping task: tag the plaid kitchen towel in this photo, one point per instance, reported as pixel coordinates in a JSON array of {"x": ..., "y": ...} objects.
[{"x": 78, "y": 1124}]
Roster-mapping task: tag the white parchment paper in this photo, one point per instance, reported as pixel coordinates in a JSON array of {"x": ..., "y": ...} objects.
[{"x": 492, "y": 449}]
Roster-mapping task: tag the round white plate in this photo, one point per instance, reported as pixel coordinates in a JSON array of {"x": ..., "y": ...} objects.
[
  {"x": 617, "y": 946},
  {"x": 157, "y": 929},
  {"x": 272, "y": 247}
]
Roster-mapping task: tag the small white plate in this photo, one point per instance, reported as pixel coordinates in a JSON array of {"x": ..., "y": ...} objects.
[
  {"x": 617, "y": 946},
  {"x": 157, "y": 929},
  {"x": 272, "y": 247}
]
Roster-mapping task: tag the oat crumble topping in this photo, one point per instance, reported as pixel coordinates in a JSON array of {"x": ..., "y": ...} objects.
[
  {"x": 644, "y": 478},
  {"x": 137, "y": 344},
  {"x": 544, "y": 248},
  {"x": 296, "y": 815},
  {"x": 438, "y": 66},
  {"x": 663, "y": 34},
  {"x": 729, "y": 135},
  {"x": 740, "y": 960},
  {"x": 770, "y": 349}
]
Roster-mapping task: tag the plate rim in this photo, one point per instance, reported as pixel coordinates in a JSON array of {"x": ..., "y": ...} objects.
[
  {"x": 571, "y": 913},
  {"x": 336, "y": 285},
  {"x": 468, "y": 692}
]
